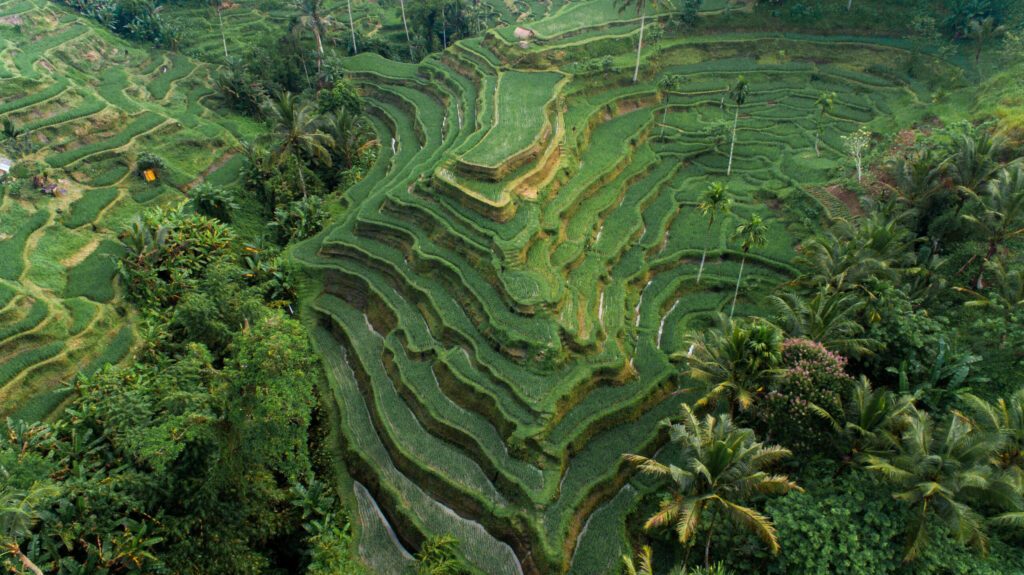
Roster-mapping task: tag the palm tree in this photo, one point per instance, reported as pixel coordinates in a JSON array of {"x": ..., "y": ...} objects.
[
  {"x": 646, "y": 558},
  {"x": 1002, "y": 213},
  {"x": 216, "y": 5},
  {"x": 754, "y": 234},
  {"x": 641, "y": 11},
  {"x": 312, "y": 17},
  {"x": 943, "y": 472},
  {"x": 973, "y": 162},
  {"x": 405, "y": 24},
  {"x": 738, "y": 94},
  {"x": 829, "y": 318},
  {"x": 296, "y": 134},
  {"x": 825, "y": 103},
  {"x": 734, "y": 361},
  {"x": 982, "y": 32},
  {"x": 352, "y": 28},
  {"x": 19, "y": 511},
  {"x": 715, "y": 200},
  {"x": 666, "y": 85},
  {"x": 871, "y": 418},
  {"x": 1004, "y": 418},
  {"x": 722, "y": 464},
  {"x": 350, "y": 134}
]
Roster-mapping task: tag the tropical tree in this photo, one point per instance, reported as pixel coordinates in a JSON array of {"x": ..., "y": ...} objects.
[
  {"x": 405, "y": 24},
  {"x": 753, "y": 234},
  {"x": 1003, "y": 418},
  {"x": 350, "y": 133},
  {"x": 439, "y": 556},
  {"x": 825, "y": 103},
  {"x": 738, "y": 93},
  {"x": 640, "y": 7},
  {"x": 311, "y": 16},
  {"x": 213, "y": 201},
  {"x": 856, "y": 144},
  {"x": 829, "y": 318},
  {"x": 352, "y": 28},
  {"x": 646, "y": 562},
  {"x": 714, "y": 201},
  {"x": 296, "y": 134},
  {"x": 20, "y": 510},
  {"x": 871, "y": 417},
  {"x": 734, "y": 361},
  {"x": 943, "y": 472},
  {"x": 974, "y": 160},
  {"x": 722, "y": 464},
  {"x": 217, "y": 5},
  {"x": 981, "y": 32},
  {"x": 1001, "y": 216},
  {"x": 668, "y": 84}
]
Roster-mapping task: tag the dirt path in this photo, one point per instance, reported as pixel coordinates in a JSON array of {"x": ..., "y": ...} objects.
[
  {"x": 211, "y": 169},
  {"x": 81, "y": 254}
]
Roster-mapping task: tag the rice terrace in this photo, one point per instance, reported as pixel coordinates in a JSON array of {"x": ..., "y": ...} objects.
[{"x": 512, "y": 286}]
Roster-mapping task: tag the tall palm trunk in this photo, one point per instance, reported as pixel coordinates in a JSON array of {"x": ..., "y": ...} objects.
[
  {"x": 703, "y": 256},
  {"x": 664, "y": 117},
  {"x": 222, "y": 37},
  {"x": 739, "y": 278},
  {"x": 993, "y": 247},
  {"x": 319, "y": 51},
  {"x": 640, "y": 44},
  {"x": 405, "y": 24},
  {"x": 849, "y": 5},
  {"x": 707, "y": 546},
  {"x": 352, "y": 28},
  {"x": 444, "y": 25},
  {"x": 732, "y": 146}
]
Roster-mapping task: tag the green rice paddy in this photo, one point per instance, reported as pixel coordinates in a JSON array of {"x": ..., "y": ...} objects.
[{"x": 495, "y": 339}]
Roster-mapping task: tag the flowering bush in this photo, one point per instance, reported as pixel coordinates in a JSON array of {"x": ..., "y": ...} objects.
[{"x": 795, "y": 408}]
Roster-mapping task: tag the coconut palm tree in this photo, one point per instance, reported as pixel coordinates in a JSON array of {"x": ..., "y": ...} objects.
[
  {"x": 714, "y": 201},
  {"x": 352, "y": 28},
  {"x": 982, "y": 32},
  {"x": 722, "y": 464},
  {"x": 871, "y": 418},
  {"x": 975, "y": 159},
  {"x": 216, "y": 5},
  {"x": 19, "y": 511},
  {"x": 1001, "y": 216},
  {"x": 646, "y": 559},
  {"x": 641, "y": 10},
  {"x": 754, "y": 234},
  {"x": 828, "y": 318},
  {"x": 405, "y": 24},
  {"x": 1004, "y": 418},
  {"x": 311, "y": 16},
  {"x": 825, "y": 102},
  {"x": 942, "y": 472},
  {"x": 350, "y": 133},
  {"x": 295, "y": 133},
  {"x": 738, "y": 93},
  {"x": 734, "y": 361}
]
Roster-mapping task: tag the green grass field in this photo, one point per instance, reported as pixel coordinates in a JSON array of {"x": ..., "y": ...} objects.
[{"x": 89, "y": 102}]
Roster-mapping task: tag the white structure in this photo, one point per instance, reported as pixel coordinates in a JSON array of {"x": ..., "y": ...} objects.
[{"x": 5, "y": 165}]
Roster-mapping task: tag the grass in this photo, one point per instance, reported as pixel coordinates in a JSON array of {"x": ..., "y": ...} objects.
[
  {"x": 93, "y": 278},
  {"x": 145, "y": 122},
  {"x": 85, "y": 209},
  {"x": 12, "y": 250},
  {"x": 522, "y": 100}
]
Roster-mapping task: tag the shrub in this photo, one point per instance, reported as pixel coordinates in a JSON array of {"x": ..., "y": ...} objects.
[{"x": 812, "y": 379}]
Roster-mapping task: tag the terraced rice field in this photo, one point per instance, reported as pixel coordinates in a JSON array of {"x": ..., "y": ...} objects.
[
  {"x": 493, "y": 347},
  {"x": 89, "y": 103}
]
